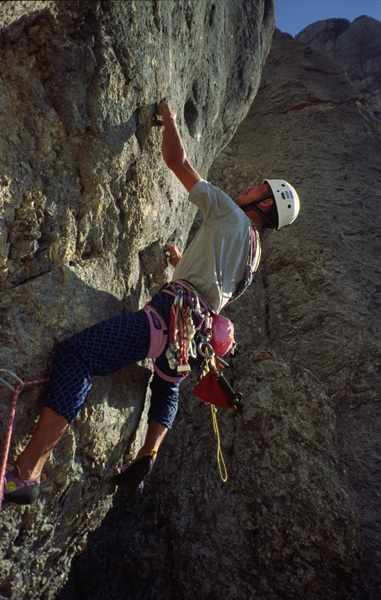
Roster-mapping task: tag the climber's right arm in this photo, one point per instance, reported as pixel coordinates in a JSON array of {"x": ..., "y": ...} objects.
[{"x": 173, "y": 149}]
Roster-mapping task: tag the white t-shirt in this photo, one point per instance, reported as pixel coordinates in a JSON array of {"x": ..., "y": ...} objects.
[{"x": 215, "y": 260}]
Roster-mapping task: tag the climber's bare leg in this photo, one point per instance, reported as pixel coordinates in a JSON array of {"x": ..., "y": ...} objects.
[
  {"x": 50, "y": 428},
  {"x": 155, "y": 435}
]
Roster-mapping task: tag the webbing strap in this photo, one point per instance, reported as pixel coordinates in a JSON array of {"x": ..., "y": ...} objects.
[{"x": 252, "y": 266}]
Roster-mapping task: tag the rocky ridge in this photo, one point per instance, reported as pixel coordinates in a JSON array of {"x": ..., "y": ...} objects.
[{"x": 356, "y": 47}]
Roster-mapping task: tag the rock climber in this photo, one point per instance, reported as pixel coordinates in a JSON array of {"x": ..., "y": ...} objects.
[{"x": 214, "y": 264}]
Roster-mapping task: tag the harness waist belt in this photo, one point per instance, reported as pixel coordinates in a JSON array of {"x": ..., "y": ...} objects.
[
  {"x": 170, "y": 288},
  {"x": 159, "y": 331}
]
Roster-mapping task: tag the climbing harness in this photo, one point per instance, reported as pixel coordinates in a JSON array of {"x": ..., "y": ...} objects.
[
  {"x": 192, "y": 329},
  {"x": 16, "y": 385},
  {"x": 194, "y": 326}
]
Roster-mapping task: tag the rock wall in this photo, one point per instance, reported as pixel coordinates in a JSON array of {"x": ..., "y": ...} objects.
[
  {"x": 86, "y": 207},
  {"x": 356, "y": 47},
  {"x": 299, "y": 515}
]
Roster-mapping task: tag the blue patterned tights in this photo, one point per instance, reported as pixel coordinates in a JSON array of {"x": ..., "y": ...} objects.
[{"x": 103, "y": 349}]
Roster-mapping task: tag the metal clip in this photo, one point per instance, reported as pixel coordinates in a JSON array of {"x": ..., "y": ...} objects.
[
  {"x": 171, "y": 355},
  {"x": 205, "y": 349},
  {"x": 11, "y": 375}
]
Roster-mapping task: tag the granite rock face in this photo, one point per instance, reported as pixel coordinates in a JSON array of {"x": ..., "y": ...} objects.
[
  {"x": 299, "y": 515},
  {"x": 86, "y": 207},
  {"x": 356, "y": 47}
]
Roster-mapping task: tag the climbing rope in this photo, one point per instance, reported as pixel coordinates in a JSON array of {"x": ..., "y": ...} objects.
[
  {"x": 16, "y": 388},
  {"x": 220, "y": 457}
]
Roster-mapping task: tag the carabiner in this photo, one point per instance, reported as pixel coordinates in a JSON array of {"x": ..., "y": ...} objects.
[
  {"x": 12, "y": 375},
  {"x": 205, "y": 349}
]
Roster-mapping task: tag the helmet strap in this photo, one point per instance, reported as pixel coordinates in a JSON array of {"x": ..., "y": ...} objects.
[{"x": 254, "y": 206}]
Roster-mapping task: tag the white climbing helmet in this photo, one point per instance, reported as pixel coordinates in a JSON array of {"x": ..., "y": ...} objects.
[{"x": 286, "y": 200}]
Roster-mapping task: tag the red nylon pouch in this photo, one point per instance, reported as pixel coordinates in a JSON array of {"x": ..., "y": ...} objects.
[{"x": 209, "y": 390}]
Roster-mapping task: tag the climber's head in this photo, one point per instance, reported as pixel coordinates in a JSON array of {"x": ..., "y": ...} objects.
[{"x": 273, "y": 204}]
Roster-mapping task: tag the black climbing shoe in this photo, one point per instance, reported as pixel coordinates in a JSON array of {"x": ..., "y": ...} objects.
[
  {"x": 19, "y": 491},
  {"x": 132, "y": 474}
]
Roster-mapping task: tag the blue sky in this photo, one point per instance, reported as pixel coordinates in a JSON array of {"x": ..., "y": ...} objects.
[{"x": 294, "y": 15}]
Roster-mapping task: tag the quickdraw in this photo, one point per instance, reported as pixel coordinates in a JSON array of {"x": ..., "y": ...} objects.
[
  {"x": 184, "y": 335},
  {"x": 16, "y": 387}
]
